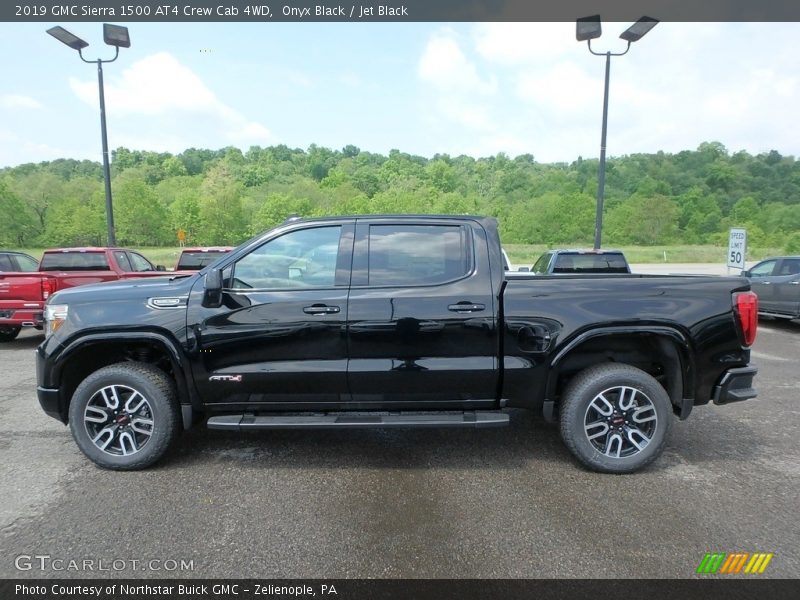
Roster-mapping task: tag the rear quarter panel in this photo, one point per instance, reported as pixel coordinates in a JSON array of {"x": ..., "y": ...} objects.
[{"x": 698, "y": 309}]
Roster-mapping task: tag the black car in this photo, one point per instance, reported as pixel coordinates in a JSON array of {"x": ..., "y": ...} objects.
[
  {"x": 776, "y": 280},
  {"x": 391, "y": 321}
]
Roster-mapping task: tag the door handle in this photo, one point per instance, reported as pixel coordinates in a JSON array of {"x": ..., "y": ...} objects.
[
  {"x": 320, "y": 309},
  {"x": 765, "y": 282},
  {"x": 466, "y": 307},
  {"x": 795, "y": 283}
]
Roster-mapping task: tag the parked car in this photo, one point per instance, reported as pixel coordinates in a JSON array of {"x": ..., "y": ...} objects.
[
  {"x": 194, "y": 259},
  {"x": 777, "y": 282},
  {"x": 391, "y": 321},
  {"x": 17, "y": 262},
  {"x": 564, "y": 262},
  {"x": 23, "y": 294}
]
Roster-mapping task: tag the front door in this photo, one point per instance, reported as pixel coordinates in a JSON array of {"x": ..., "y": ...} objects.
[
  {"x": 278, "y": 341},
  {"x": 761, "y": 281},
  {"x": 421, "y": 323}
]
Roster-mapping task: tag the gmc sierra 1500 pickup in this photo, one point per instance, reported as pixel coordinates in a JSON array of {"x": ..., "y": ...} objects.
[{"x": 391, "y": 321}]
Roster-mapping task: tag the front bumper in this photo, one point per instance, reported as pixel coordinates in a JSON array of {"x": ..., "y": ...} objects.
[
  {"x": 50, "y": 403},
  {"x": 49, "y": 398},
  {"x": 735, "y": 385}
]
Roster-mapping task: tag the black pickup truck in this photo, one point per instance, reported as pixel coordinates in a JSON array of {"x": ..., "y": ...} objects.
[{"x": 391, "y": 321}]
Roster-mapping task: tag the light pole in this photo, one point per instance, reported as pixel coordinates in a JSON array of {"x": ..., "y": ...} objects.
[
  {"x": 587, "y": 29},
  {"x": 113, "y": 35}
]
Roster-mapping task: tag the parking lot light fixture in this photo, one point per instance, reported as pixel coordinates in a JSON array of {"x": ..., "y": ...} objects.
[
  {"x": 587, "y": 29},
  {"x": 639, "y": 29},
  {"x": 65, "y": 37},
  {"x": 117, "y": 36}
]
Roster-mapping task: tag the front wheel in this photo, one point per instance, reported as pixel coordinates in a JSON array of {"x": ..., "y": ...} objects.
[
  {"x": 615, "y": 418},
  {"x": 125, "y": 416},
  {"x": 8, "y": 333}
]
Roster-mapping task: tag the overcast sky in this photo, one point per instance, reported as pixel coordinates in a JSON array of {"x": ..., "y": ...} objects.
[{"x": 423, "y": 88}]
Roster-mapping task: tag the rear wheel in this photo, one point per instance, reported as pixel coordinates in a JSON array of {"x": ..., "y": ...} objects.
[
  {"x": 125, "y": 416},
  {"x": 8, "y": 333},
  {"x": 615, "y": 418}
]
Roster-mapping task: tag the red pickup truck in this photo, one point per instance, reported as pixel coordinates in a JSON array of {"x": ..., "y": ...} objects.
[{"x": 23, "y": 294}]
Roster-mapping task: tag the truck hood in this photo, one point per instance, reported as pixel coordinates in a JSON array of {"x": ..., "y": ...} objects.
[{"x": 129, "y": 289}]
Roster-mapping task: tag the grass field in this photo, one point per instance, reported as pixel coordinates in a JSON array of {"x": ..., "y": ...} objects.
[{"x": 526, "y": 254}]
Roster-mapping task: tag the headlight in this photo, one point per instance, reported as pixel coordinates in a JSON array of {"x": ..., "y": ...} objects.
[{"x": 54, "y": 317}]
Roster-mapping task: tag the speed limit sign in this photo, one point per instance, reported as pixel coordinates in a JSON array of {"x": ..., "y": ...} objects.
[{"x": 737, "y": 247}]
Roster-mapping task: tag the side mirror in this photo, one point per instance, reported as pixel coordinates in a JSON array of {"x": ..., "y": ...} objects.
[
  {"x": 524, "y": 270},
  {"x": 161, "y": 268},
  {"x": 212, "y": 289},
  {"x": 745, "y": 273}
]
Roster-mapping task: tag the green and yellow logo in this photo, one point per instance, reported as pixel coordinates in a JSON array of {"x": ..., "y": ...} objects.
[{"x": 725, "y": 563}]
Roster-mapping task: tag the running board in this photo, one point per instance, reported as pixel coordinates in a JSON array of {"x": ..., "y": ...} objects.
[{"x": 467, "y": 419}]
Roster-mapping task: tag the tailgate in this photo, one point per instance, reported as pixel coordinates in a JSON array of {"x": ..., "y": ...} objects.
[{"x": 25, "y": 287}]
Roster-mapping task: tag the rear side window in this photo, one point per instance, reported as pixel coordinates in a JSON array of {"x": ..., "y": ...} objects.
[
  {"x": 790, "y": 266},
  {"x": 590, "y": 263},
  {"x": 404, "y": 255},
  {"x": 122, "y": 261},
  {"x": 5, "y": 263},
  {"x": 74, "y": 261},
  {"x": 26, "y": 263},
  {"x": 194, "y": 261}
]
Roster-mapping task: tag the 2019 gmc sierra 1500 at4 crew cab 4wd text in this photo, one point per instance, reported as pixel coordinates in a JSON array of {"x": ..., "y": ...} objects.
[{"x": 391, "y": 321}]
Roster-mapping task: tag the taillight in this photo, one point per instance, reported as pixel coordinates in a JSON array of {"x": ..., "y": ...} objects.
[
  {"x": 746, "y": 309},
  {"x": 48, "y": 287}
]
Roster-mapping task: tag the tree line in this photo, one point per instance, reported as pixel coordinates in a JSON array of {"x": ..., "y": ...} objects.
[{"x": 225, "y": 196}]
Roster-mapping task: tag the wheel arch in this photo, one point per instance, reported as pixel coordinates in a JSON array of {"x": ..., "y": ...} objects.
[
  {"x": 664, "y": 352},
  {"x": 91, "y": 352}
]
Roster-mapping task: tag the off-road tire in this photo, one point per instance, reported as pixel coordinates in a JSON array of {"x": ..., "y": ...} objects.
[
  {"x": 8, "y": 333},
  {"x": 575, "y": 404},
  {"x": 159, "y": 391}
]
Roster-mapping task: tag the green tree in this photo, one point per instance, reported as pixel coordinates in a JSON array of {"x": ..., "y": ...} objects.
[{"x": 220, "y": 207}]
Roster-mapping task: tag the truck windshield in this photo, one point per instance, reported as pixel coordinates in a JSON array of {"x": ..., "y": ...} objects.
[{"x": 74, "y": 261}]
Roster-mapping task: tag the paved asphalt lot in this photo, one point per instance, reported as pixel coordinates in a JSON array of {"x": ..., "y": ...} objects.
[{"x": 416, "y": 503}]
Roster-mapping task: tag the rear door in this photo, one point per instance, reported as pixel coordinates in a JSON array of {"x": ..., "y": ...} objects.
[
  {"x": 421, "y": 323},
  {"x": 786, "y": 286},
  {"x": 278, "y": 341}
]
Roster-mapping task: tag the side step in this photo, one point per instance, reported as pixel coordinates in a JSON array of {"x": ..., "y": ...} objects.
[{"x": 359, "y": 421}]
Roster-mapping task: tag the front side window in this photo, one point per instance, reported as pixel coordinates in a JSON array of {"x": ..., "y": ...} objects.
[
  {"x": 541, "y": 263},
  {"x": 401, "y": 255},
  {"x": 305, "y": 258},
  {"x": 140, "y": 263},
  {"x": 763, "y": 269}
]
